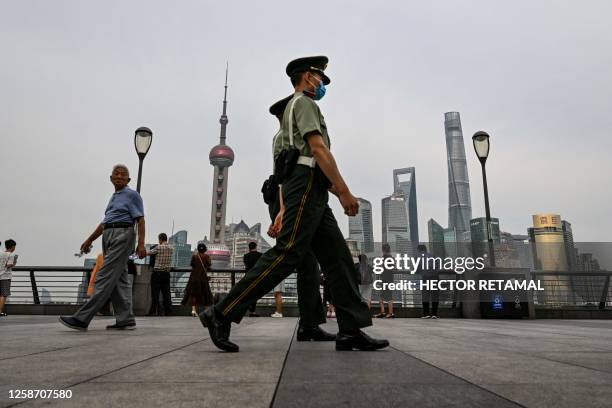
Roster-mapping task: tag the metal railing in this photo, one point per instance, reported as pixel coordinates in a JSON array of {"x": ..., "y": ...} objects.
[
  {"x": 576, "y": 289},
  {"x": 68, "y": 285}
]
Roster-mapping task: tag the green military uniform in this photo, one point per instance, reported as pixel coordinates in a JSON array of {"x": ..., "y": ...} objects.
[
  {"x": 308, "y": 223},
  {"x": 312, "y": 311}
]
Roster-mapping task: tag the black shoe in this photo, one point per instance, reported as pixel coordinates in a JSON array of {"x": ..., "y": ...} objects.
[
  {"x": 73, "y": 323},
  {"x": 314, "y": 334},
  {"x": 360, "y": 341},
  {"x": 122, "y": 326},
  {"x": 218, "y": 329}
]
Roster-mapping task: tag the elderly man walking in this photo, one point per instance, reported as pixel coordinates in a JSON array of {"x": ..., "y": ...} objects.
[{"x": 124, "y": 209}]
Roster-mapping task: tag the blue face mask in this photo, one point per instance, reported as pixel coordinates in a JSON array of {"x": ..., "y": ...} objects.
[{"x": 319, "y": 91}]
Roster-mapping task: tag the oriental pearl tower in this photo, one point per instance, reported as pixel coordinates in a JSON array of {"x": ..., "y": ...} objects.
[{"x": 221, "y": 158}]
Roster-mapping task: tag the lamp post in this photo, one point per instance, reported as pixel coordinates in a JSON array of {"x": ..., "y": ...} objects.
[
  {"x": 481, "y": 147},
  {"x": 142, "y": 142}
]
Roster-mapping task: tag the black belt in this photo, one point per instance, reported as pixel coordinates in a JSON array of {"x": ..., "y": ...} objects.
[{"x": 118, "y": 225}]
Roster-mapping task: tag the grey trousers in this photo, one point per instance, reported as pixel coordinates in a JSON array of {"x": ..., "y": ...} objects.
[{"x": 112, "y": 278}]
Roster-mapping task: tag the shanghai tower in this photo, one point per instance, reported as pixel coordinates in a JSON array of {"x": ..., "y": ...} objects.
[
  {"x": 459, "y": 203},
  {"x": 221, "y": 158}
]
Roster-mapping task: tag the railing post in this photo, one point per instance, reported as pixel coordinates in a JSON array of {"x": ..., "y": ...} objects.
[
  {"x": 34, "y": 288},
  {"x": 233, "y": 278},
  {"x": 604, "y": 294}
]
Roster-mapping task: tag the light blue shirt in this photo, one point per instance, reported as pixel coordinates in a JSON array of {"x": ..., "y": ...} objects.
[{"x": 124, "y": 206}]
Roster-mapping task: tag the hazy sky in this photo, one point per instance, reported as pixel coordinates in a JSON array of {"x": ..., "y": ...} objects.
[{"x": 77, "y": 78}]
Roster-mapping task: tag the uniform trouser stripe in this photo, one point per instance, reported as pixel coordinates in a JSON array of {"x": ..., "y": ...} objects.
[{"x": 278, "y": 258}]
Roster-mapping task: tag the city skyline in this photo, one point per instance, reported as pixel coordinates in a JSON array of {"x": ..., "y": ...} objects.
[{"x": 102, "y": 78}]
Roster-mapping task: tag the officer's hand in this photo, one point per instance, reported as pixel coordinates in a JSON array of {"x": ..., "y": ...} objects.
[
  {"x": 349, "y": 203},
  {"x": 334, "y": 190}
]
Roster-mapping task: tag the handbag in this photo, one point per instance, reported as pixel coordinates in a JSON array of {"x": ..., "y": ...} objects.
[{"x": 204, "y": 267}]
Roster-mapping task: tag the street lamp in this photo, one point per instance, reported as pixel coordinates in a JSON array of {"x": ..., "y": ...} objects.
[
  {"x": 481, "y": 147},
  {"x": 142, "y": 142}
]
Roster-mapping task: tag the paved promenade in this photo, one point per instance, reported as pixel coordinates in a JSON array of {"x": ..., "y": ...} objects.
[{"x": 170, "y": 362}]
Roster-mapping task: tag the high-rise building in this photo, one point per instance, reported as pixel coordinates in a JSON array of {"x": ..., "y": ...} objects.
[
  {"x": 395, "y": 229},
  {"x": 237, "y": 239},
  {"x": 436, "y": 238},
  {"x": 480, "y": 236},
  {"x": 506, "y": 255},
  {"x": 221, "y": 158},
  {"x": 181, "y": 258},
  {"x": 361, "y": 229},
  {"x": 548, "y": 244},
  {"x": 404, "y": 181},
  {"x": 459, "y": 201},
  {"x": 523, "y": 249},
  {"x": 570, "y": 249},
  {"x": 587, "y": 263}
]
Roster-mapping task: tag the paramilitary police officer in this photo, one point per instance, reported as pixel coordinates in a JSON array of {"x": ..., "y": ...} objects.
[
  {"x": 308, "y": 222},
  {"x": 312, "y": 311}
]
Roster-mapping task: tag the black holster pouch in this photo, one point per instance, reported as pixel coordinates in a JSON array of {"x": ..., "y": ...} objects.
[
  {"x": 285, "y": 163},
  {"x": 269, "y": 189}
]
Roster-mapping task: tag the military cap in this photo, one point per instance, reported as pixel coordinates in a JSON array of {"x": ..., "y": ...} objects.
[
  {"x": 279, "y": 107},
  {"x": 315, "y": 64}
]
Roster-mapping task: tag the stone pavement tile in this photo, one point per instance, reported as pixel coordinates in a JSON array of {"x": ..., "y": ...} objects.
[
  {"x": 440, "y": 340},
  {"x": 323, "y": 394},
  {"x": 65, "y": 367},
  {"x": 259, "y": 360},
  {"x": 320, "y": 362},
  {"x": 597, "y": 360},
  {"x": 555, "y": 395},
  {"x": 418, "y": 334},
  {"x": 163, "y": 394},
  {"x": 481, "y": 367}
]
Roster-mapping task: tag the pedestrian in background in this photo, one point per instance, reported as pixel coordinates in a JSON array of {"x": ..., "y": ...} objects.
[
  {"x": 8, "y": 259},
  {"x": 197, "y": 292},
  {"x": 250, "y": 259},
  {"x": 124, "y": 209},
  {"x": 160, "y": 277},
  {"x": 386, "y": 295},
  {"x": 428, "y": 273},
  {"x": 278, "y": 299},
  {"x": 366, "y": 279}
]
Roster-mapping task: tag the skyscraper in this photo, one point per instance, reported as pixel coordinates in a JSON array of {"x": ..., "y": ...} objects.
[
  {"x": 570, "y": 249},
  {"x": 547, "y": 235},
  {"x": 547, "y": 238},
  {"x": 181, "y": 258},
  {"x": 221, "y": 158},
  {"x": 404, "y": 181},
  {"x": 480, "y": 236},
  {"x": 459, "y": 202},
  {"x": 395, "y": 230},
  {"x": 436, "y": 238},
  {"x": 360, "y": 227},
  {"x": 237, "y": 238},
  {"x": 523, "y": 250}
]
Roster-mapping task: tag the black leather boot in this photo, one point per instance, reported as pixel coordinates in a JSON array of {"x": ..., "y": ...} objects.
[
  {"x": 360, "y": 341},
  {"x": 219, "y": 329},
  {"x": 314, "y": 334}
]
